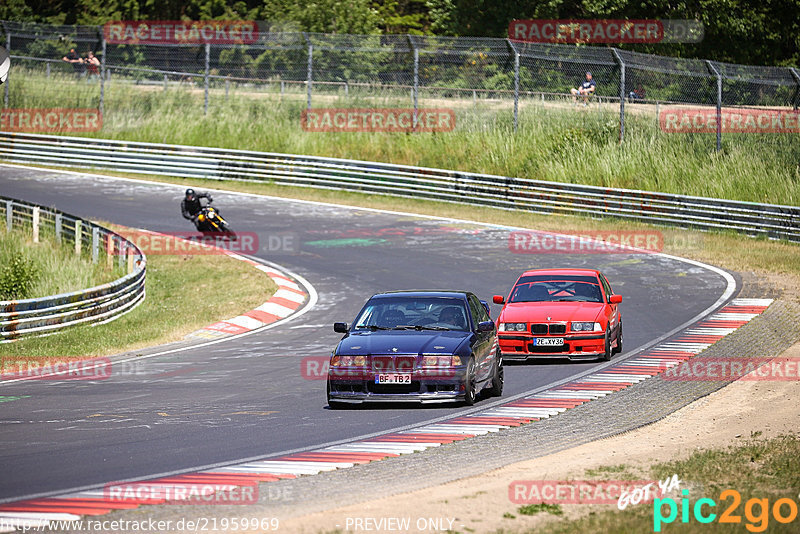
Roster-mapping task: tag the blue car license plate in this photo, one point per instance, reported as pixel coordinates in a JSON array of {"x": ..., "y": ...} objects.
[{"x": 393, "y": 378}]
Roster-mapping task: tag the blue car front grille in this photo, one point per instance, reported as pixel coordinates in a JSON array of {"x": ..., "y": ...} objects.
[{"x": 402, "y": 363}]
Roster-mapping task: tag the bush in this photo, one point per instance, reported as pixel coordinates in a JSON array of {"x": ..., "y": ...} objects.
[{"x": 17, "y": 277}]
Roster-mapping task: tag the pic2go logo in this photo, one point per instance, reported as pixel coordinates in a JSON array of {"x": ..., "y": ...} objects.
[{"x": 756, "y": 511}]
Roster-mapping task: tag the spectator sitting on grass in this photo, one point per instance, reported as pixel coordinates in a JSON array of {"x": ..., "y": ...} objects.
[
  {"x": 637, "y": 94},
  {"x": 586, "y": 89},
  {"x": 74, "y": 58}
]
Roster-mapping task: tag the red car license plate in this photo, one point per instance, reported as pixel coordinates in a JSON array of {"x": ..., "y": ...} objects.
[
  {"x": 548, "y": 341},
  {"x": 393, "y": 378}
]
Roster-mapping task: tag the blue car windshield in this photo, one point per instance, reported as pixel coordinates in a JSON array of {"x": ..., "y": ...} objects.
[
  {"x": 417, "y": 313},
  {"x": 556, "y": 291}
]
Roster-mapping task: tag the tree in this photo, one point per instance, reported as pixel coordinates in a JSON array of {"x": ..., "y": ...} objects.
[
  {"x": 335, "y": 16},
  {"x": 404, "y": 16}
]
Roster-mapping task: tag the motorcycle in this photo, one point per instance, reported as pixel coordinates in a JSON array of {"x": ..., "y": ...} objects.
[{"x": 210, "y": 220}]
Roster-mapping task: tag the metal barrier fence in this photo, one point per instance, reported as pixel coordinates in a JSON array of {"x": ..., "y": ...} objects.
[
  {"x": 774, "y": 221},
  {"x": 420, "y": 67},
  {"x": 39, "y": 316}
]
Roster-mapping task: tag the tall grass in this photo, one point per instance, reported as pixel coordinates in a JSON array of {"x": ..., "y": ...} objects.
[
  {"x": 555, "y": 141},
  {"x": 54, "y": 268}
]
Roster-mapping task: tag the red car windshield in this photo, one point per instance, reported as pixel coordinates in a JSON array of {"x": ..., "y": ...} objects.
[{"x": 556, "y": 291}]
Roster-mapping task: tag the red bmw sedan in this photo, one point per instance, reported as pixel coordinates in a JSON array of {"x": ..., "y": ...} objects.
[{"x": 562, "y": 313}]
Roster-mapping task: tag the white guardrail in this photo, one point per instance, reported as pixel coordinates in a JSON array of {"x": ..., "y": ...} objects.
[
  {"x": 38, "y": 316},
  {"x": 774, "y": 221}
]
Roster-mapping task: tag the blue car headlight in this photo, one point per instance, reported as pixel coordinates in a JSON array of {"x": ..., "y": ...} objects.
[
  {"x": 348, "y": 361},
  {"x": 440, "y": 360}
]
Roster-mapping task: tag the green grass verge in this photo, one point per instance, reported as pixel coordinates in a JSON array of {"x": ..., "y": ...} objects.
[
  {"x": 184, "y": 293},
  {"x": 554, "y": 141},
  {"x": 766, "y": 469},
  {"x": 32, "y": 270}
]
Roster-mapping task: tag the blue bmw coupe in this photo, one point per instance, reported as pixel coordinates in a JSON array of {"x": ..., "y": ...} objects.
[{"x": 426, "y": 346}]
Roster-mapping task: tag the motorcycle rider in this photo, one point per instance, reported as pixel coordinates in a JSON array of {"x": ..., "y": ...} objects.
[{"x": 191, "y": 206}]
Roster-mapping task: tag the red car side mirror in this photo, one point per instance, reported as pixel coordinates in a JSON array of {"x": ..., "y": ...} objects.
[
  {"x": 498, "y": 299},
  {"x": 615, "y": 299}
]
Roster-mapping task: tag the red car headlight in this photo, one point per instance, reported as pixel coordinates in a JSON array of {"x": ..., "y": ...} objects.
[
  {"x": 585, "y": 327},
  {"x": 513, "y": 327}
]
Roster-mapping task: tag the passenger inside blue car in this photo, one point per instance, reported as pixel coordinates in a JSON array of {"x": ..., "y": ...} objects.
[{"x": 393, "y": 318}]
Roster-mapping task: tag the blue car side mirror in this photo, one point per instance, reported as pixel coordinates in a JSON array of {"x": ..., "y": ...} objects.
[
  {"x": 486, "y": 326},
  {"x": 341, "y": 328}
]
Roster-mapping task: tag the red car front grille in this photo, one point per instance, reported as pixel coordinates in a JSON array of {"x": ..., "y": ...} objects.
[
  {"x": 556, "y": 329},
  {"x": 542, "y": 329}
]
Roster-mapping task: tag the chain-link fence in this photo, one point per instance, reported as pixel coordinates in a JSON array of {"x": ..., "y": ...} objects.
[{"x": 508, "y": 77}]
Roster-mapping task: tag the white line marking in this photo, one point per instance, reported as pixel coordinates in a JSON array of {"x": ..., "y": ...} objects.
[
  {"x": 711, "y": 331},
  {"x": 564, "y": 394},
  {"x": 523, "y": 412},
  {"x": 456, "y": 431},
  {"x": 694, "y": 348},
  {"x": 751, "y": 302},
  {"x": 246, "y": 468},
  {"x": 615, "y": 377},
  {"x": 289, "y": 295},
  {"x": 43, "y": 516},
  {"x": 275, "y": 309},
  {"x": 245, "y": 322},
  {"x": 382, "y": 447},
  {"x": 733, "y": 316}
]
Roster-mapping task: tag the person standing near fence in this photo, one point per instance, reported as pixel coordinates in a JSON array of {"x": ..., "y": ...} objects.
[
  {"x": 76, "y": 60},
  {"x": 92, "y": 66}
]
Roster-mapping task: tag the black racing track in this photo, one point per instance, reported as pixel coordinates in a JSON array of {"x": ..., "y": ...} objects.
[{"x": 246, "y": 397}]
